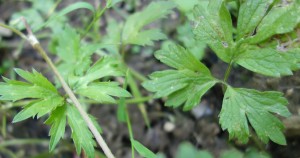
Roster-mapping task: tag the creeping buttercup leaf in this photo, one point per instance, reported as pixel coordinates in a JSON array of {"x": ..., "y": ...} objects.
[
  {"x": 81, "y": 135},
  {"x": 268, "y": 61},
  {"x": 57, "y": 120},
  {"x": 250, "y": 15},
  {"x": 46, "y": 97},
  {"x": 282, "y": 18},
  {"x": 213, "y": 26},
  {"x": 178, "y": 84},
  {"x": 132, "y": 31},
  {"x": 241, "y": 106}
]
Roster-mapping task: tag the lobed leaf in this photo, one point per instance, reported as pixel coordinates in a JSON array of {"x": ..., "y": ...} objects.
[
  {"x": 213, "y": 26},
  {"x": 132, "y": 33},
  {"x": 38, "y": 87},
  {"x": 57, "y": 120},
  {"x": 178, "y": 84},
  {"x": 180, "y": 58},
  {"x": 243, "y": 105},
  {"x": 268, "y": 61},
  {"x": 250, "y": 15},
  {"x": 103, "y": 91},
  {"x": 81, "y": 135},
  {"x": 282, "y": 18}
]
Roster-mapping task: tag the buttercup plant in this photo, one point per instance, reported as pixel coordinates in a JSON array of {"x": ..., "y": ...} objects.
[{"x": 250, "y": 44}]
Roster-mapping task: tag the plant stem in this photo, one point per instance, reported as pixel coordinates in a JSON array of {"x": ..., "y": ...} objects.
[
  {"x": 95, "y": 18},
  {"x": 227, "y": 73},
  {"x": 23, "y": 142},
  {"x": 36, "y": 45},
  {"x": 77, "y": 104},
  {"x": 14, "y": 30}
]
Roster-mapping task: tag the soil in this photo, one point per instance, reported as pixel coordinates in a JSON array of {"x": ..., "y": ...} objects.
[{"x": 169, "y": 127}]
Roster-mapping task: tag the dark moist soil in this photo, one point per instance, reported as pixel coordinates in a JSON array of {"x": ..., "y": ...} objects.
[{"x": 199, "y": 126}]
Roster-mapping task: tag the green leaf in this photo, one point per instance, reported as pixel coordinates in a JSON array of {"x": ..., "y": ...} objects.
[
  {"x": 213, "y": 26},
  {"x": 142, "y": 150},
  {"x": 111, "y": 3},
  {"x": 104, "y": 67},
  {"x": 268, "y": 61},
  {"x": 39, "y": 108},
  {"x": 132, "y": 33},
  {"x": 81, "y": 135},
  {"x": 103, "y": 91},
  {"x": 178, "y": 85},
  {"x": 243, "y": 105},
  {"x": 113, "y": 37},
  {"x": 180, "y": 58},
  {"x": 188, "y": 150},
  {"x": 282, "y": 18},
  {"x": 38, "y": 87},
  {"x": 57, "y": 120},
  {"x": 232, "y": 154},
  {"x": 68, "y": 9},
  {"x": 186, "y": 36},
  {"x": 192, "y": 77},
  {"x": 71, "y": 52},
  {"x": 187, "y": 5},
  {"x": 250, "y": 15}
]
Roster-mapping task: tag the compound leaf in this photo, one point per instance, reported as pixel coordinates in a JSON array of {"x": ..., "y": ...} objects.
[
  {"x": 213, "y": 26},
  {"x": 250, "y": 15},
  {"x": 282, "y": 18},
  {"x": 132, "y": 33},
  {"x": 81, "y": 135},
  {"x": 57, "y": 120},
  {"x": 268, "y": 61},
  {"x": 243, "y": 105},
  {"x": 38, "y": 87}
]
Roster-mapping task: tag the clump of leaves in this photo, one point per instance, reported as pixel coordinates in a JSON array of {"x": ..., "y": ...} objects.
[
  {"x": 258, "y": 21},
  {"x": 84, "y": 79}
]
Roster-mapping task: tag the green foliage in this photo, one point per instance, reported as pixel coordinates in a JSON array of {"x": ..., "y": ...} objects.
[
  {"x": 142, "y": 150},
  {"x": 191, "y": 77},
  {"x": 46, "y": 98},
  {"x": 243, "y": 105},
  {"x": 247, "y": 47},
  {"x": 132, "y": 31},
  {"x": 188, "y": 150},
  {"x": 57, "y": 120},
  {"x": 81, "y": 135}
]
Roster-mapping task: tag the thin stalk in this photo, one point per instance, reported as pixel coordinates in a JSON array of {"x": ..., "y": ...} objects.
[
  {"x": 36, "y": 45},
  {"x": 137, "y": 75},
  {"x": 14, "y": 30},
  {"x": 8, "y": 153},
  {"x": 137, "y": 94},
  {"x": 4, "y": 126},
  {"x": 15, "y": 142},
  {"x": 227, "y": 73},
  {"x": 95, "y": 18},
  {"x": 134, "y": 88},
  {"x": 129, "y": 130}
]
